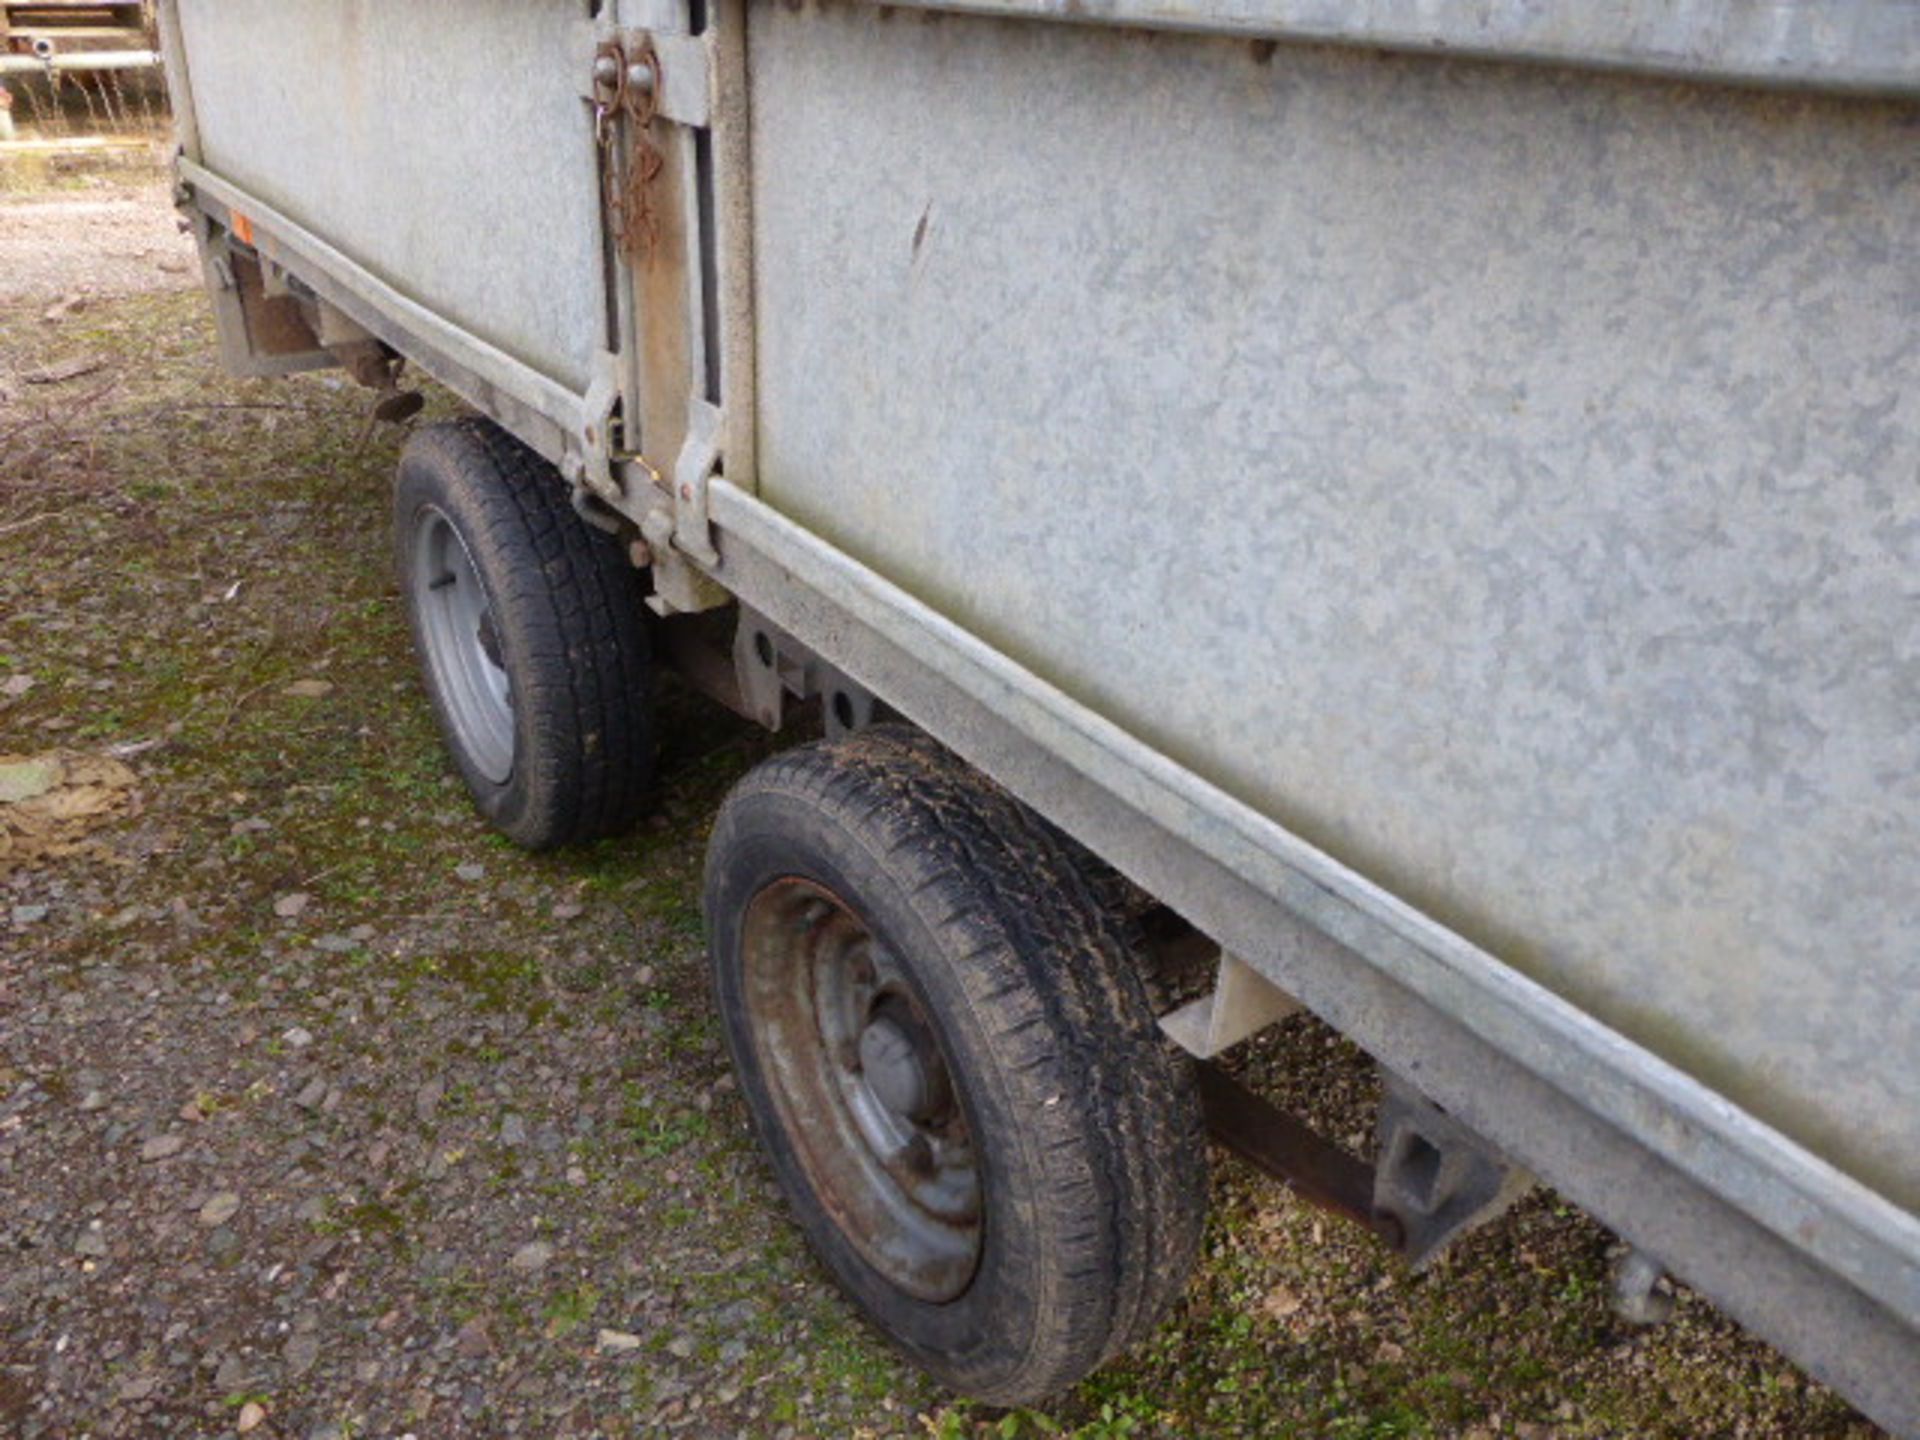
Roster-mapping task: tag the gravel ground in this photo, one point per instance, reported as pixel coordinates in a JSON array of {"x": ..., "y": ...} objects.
[
  {"x": 93, "y": 240},
  {"x": 323, "y": 1113}
]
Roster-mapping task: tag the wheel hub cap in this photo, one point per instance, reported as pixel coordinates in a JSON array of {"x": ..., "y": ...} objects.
[{"x": 897, "y": 1062}]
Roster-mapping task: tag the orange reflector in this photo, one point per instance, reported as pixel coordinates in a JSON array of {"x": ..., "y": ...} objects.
[{"x": 243, "y": 228}]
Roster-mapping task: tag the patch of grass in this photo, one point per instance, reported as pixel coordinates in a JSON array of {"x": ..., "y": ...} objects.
[
  {"x": 567, "y": 1310},
  {"x": 658, "y": 1129}
]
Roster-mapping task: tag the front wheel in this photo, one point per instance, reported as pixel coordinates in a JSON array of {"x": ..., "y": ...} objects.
[
  {"x": 945, "y": 1044},
  {"x": 529, "y": 629}
]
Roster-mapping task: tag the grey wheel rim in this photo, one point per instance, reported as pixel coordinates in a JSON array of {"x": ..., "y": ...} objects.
[
  {"x": 862, "y": 1089},
  {"x": 462, "y": 645}
]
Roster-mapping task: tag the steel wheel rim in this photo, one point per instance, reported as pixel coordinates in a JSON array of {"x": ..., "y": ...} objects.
[
  {"x": 862, "y": 1088},
  {"x": 462, "y": 645}
]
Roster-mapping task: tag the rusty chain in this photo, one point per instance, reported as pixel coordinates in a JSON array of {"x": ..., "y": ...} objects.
[{"x": 627, "y": 191}]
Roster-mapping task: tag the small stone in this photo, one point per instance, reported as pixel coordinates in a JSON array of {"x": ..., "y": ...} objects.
[
  {"x": 220, "y": 1209},
  {"x": 94, "y": 1100},
  {"x": 1280, "y": 1303},
  {"x": 288, "y": 906},
  {"x": 14, "y": 686},
  {"x": 513, "y": 1131},
  {"x": 680, "y": 1347},
  {"x": 251, "y": 1415},
  {"x": 309, "y": 689},
  {"x": 472, "y": 1339},
  {"x": 313, "y": 1095},
  {"x": 29, "y": 914},
  {"x": 531, "y": 1256},
  {"x": 92, "y": 1243},
  {"x": 336, "y": 944},
  {"x": 426, "y": 1100},
  {"x": 298, "y": 1037},
  {"x": 302, "y": 1353},
  {"x": 568, "y": 910},
  {"x": 615, "y": 1342},
  {"x": 470, "y": 872},
  {"x": 362, "y": 933},
  {"x": 140, "y": 1387},
  {"x": 162, "y": 1147}
]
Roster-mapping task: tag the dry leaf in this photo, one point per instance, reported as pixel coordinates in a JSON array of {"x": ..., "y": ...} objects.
[{"x": 48, "y": 804}]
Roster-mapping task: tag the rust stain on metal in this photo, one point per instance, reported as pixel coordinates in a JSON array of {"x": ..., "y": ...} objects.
[{"x": 629, "y": 184}]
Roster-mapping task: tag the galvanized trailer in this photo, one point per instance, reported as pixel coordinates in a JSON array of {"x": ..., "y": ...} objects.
[{"x": 1427, "y": 491}]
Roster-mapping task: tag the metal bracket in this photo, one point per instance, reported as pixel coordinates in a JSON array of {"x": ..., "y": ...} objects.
[
  {"x": 770, "y": 665},
  {"x": 699, "y": 459},
  {"x": 596, "y": 439},
  {"x": 1435, "y": 1178},
  {"x": 686, "y": 78},
  {"x": 1242, "y": 1003}
]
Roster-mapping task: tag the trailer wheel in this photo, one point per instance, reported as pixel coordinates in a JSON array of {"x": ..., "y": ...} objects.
[
  {"x": 528, "y": 624},
  {"x": 949, "y": 1056}
]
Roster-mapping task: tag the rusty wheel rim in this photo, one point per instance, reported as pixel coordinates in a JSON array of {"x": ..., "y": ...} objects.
[{"x": 862, "y": 1087}]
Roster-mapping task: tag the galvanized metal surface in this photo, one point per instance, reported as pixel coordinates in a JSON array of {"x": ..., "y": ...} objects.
[
  {"x": 539, "y": 410},
  {"x": 1846, "y": 45},
  {"x": 1501, "y": 478},
  {"x": 442, "y": 146},
  {"x": 1435, "y": 1179},
  {"x": 1789, "y": 1246},
  {"x": 1241, "y": 1003}
]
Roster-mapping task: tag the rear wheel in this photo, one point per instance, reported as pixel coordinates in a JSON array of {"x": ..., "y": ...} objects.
[
  {"x": 945, "y": 1044},
  {"x": 528, "y": 623}
]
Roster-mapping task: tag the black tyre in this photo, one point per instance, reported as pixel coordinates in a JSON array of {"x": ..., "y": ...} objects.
[
  {"x": 945, "y": 1044},
  {"x": 529, "y": 627}
]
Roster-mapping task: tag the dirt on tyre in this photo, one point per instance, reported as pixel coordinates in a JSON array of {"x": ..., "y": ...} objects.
[
  {"x": 529, "y": 627},
  {"x": 944, "y": 1041}
]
